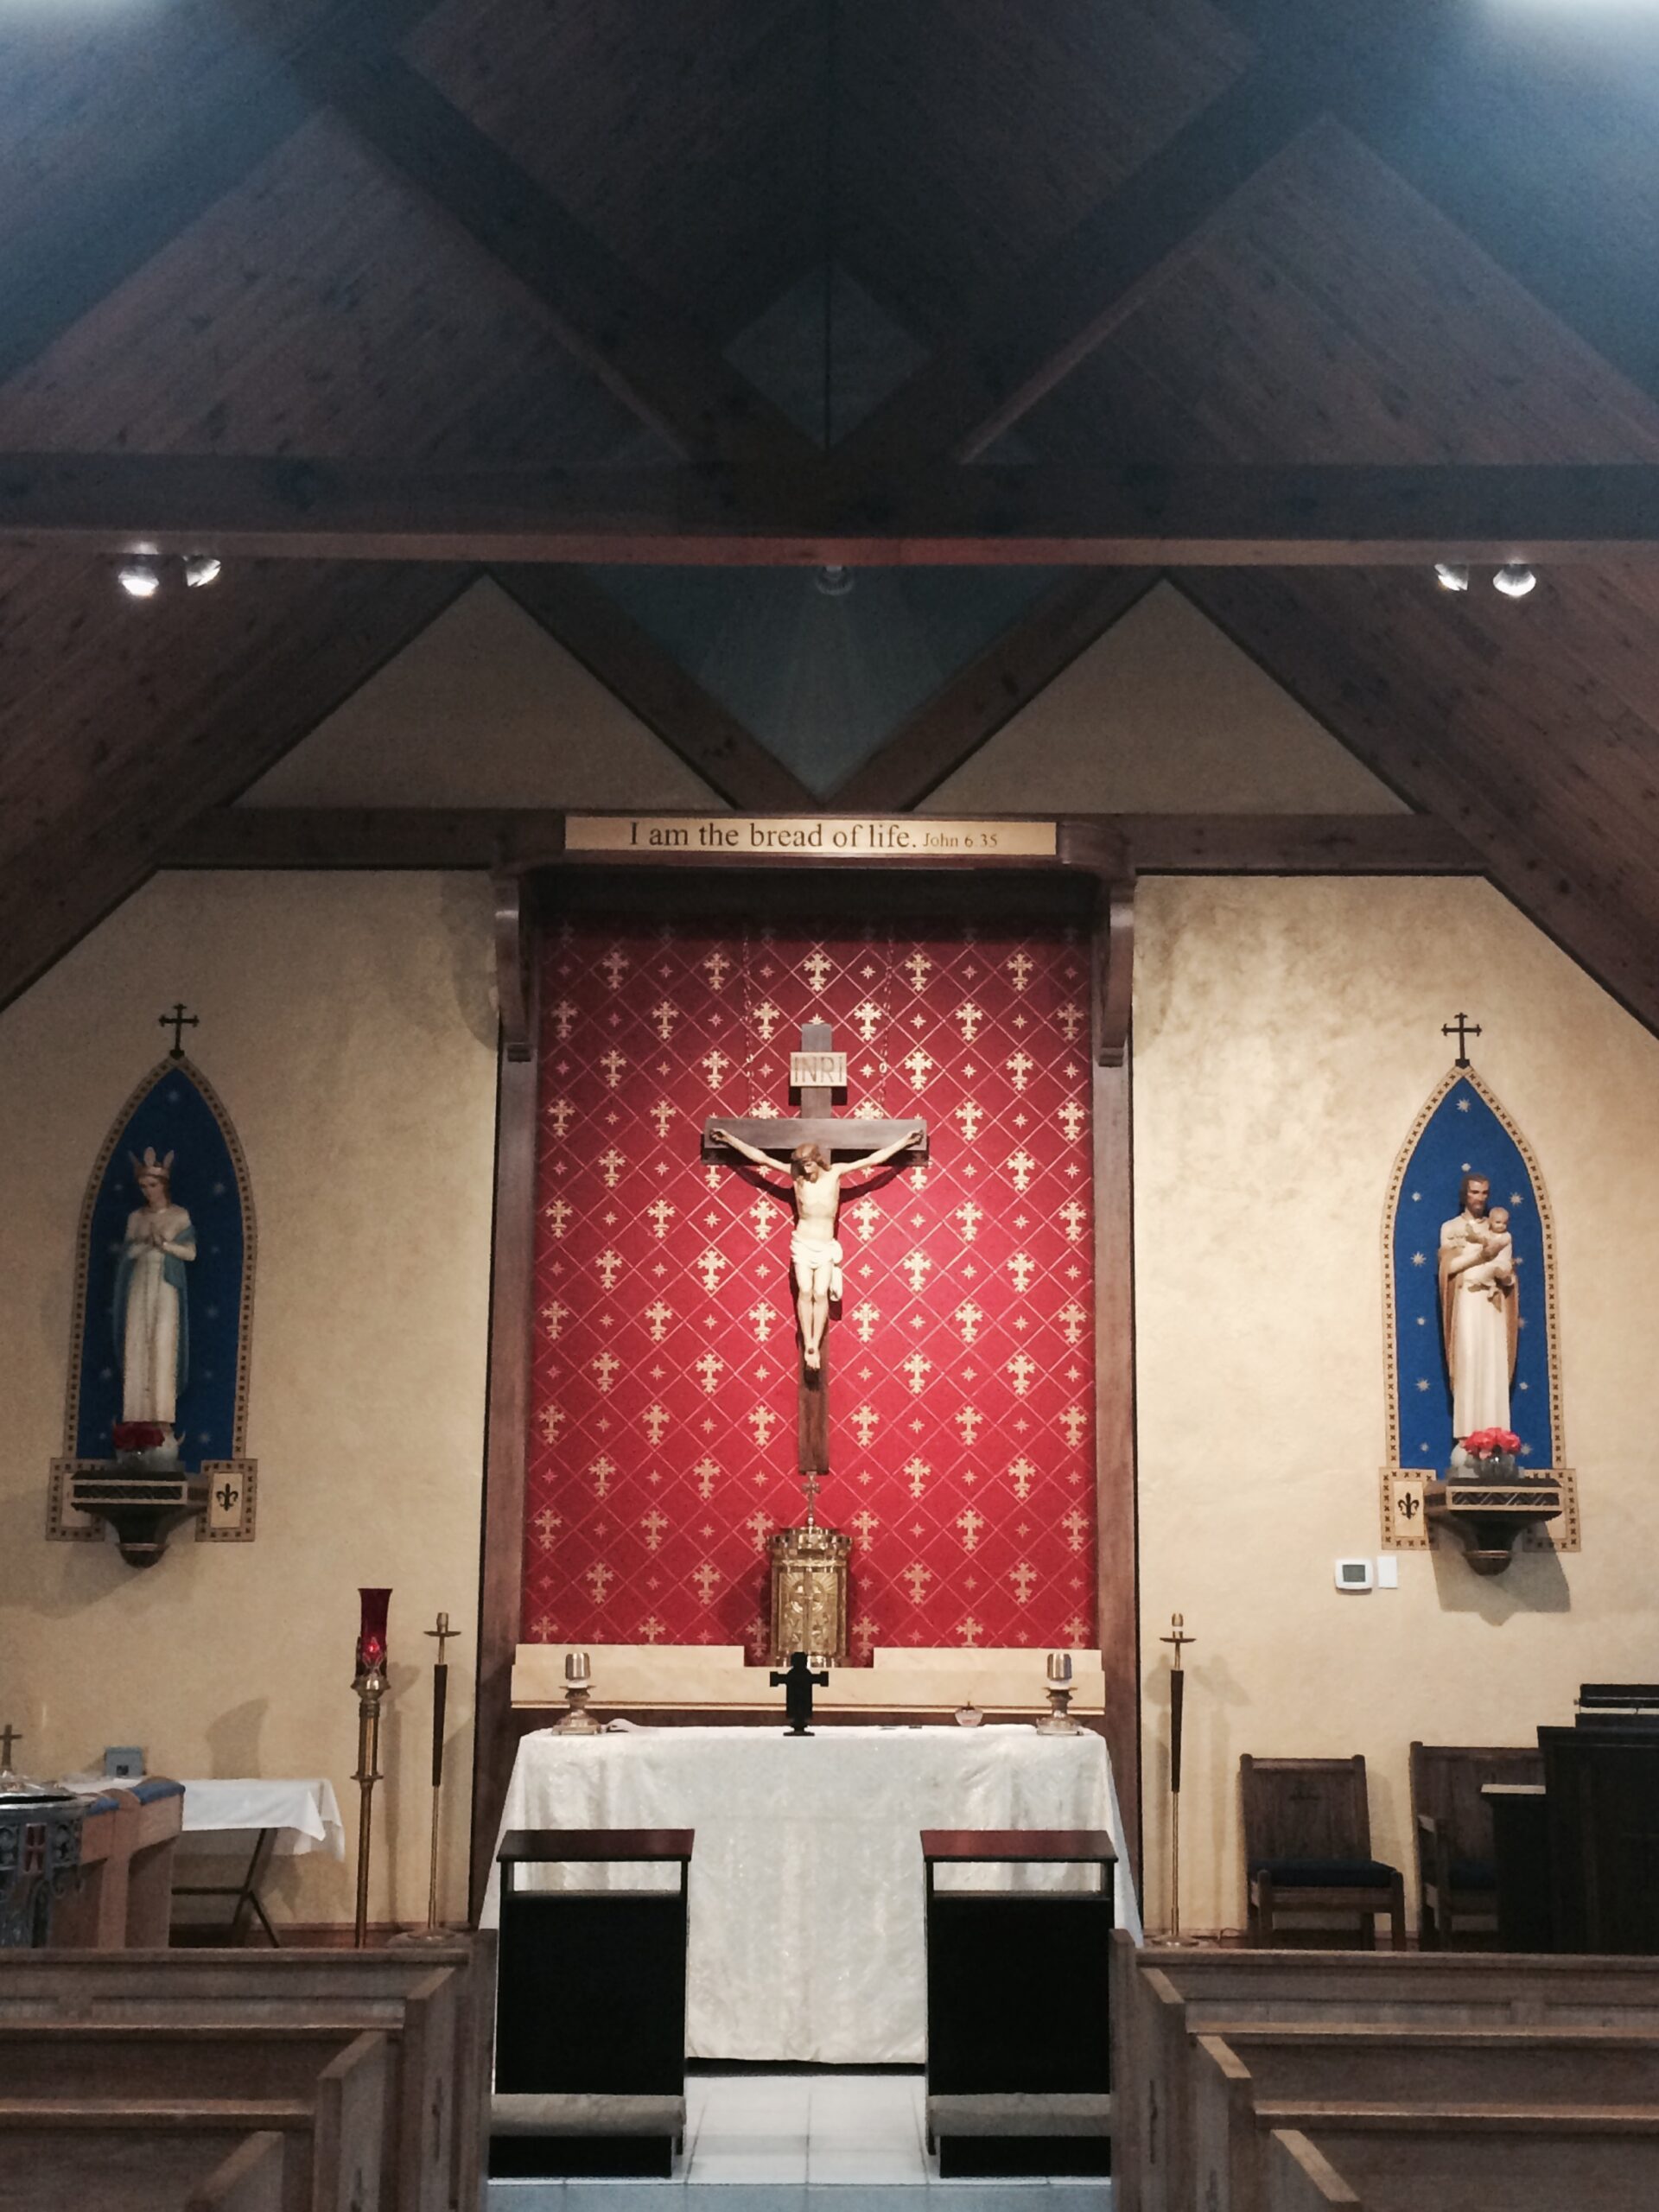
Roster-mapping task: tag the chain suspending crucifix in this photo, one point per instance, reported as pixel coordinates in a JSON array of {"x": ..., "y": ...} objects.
[{"x": 818, "y": 1148}]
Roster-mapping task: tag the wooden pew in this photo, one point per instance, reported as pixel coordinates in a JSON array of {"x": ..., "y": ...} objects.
[
  {"x": 169, "y": 2173},
  {"x": 1160, "y": 1996},
  {"x": 1598, "y": 2159},
  {"x": 1290, "y": 2076},
  {"x": 331, "y": 2137},
  {"x": 442, "y": 2030},
  {"x": 249, "y": 2180}
]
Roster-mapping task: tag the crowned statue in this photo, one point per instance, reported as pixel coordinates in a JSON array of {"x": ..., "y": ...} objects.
[{"x": 152, "y": 1321}]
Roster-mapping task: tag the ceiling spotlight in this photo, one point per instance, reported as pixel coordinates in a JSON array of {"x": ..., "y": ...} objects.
[
  {"x": 834, "y": 582},
  {"x": 1452, "y": 575},
  {"x": 139, "y": 579},
  {"x": 1515, "y": 580},
  {"x": 200, "y": 568}
]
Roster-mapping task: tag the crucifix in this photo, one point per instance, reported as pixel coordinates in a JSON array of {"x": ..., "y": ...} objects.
[
  {"x": 178, "y": 1021},
  {"x": 9, "y": 1736},
  {"x": 1464, "y": 1029},
  {"x": 811, "y": 1144}
]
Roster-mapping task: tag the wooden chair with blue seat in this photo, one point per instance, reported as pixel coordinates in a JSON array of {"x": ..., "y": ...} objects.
[
  {"x": 1307, "y": 1849},
  {"x": 1452, "y": 1822}
]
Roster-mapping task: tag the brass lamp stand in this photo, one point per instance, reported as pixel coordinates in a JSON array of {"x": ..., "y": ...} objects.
[
  {"x": 1179, "y": 1638},
  {"x": 370, "y": 1683}
]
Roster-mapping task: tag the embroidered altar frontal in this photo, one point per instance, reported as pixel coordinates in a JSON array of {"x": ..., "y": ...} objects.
[{"x": 662, "y": 1445}]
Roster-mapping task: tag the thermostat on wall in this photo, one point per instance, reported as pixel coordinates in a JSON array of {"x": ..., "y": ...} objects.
[{"x": 1355, "y": 1574}]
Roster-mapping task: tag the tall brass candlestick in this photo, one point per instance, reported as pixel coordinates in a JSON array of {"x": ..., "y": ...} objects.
[
  {"x": 1178, "y": 1637},
  {"x": 370, "y": 1683},
  {"x": 440, "y": 1693}
]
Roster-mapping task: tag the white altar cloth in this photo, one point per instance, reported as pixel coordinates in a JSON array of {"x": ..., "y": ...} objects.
[
  {"x": 304, "y": 1813},
  {"x": 806, "y": 1936}
]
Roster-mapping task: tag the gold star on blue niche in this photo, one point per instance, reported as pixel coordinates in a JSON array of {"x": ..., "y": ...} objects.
[
  {"x": 1415, "y": 1196},
  {"x": 1419, "y": 1259},
  {"x": 1422, "y": 1384},
  {"x": 1463, "y": 1105},
  {"x": 1517, "y": 1198}
]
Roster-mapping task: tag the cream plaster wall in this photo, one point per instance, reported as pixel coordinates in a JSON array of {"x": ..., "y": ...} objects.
[
  {"x": 1164, "y": 715},
  {"x": 483, "y": 709},
  {"x": 347, "y": 1024},
  {"x": 1285, "y": 1033}
]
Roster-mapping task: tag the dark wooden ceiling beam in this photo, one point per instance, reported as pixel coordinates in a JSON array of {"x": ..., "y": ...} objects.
[
  {"x": 122, "y": 785},
  {"x": 1049, "y": 319},
  {"x": 654, "y": 361},
  {"x": 949, "y": 729},
  {"x": 1115, "y": 515},
  {"x": 107, "y": 223},
  {"x": 1373, "y": 709},
  {"x": 495, "y": 838},
  {"x": 651, "y": 684}
]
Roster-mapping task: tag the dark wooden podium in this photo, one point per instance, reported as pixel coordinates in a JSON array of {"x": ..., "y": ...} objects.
[
  {"x": 590, "y": 2010},
  {"x": 1601, "y": 1792},
  {"x": 1019, "y": 2046}
]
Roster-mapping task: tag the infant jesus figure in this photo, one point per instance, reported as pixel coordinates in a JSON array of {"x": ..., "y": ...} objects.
[
  {"x": 814, "y": 1252},
  {"x": 1494, "y": 1273}
]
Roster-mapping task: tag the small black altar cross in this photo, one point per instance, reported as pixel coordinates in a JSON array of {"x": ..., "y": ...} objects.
[
  {"x": 178, "y": 1021},
  {"x": 1464, "y": 1029},
  {"x": 9, "y": 1736},
  {"x": 796, "y": 1682},
  {"x": 816, "y": 1073}
]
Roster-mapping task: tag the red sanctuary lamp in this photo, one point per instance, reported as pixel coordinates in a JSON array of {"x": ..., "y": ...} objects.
[{"x": 369, "y": 1681}]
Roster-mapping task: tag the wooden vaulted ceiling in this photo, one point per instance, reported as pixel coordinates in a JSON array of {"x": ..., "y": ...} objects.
[{"x": 1282, "y": 298}]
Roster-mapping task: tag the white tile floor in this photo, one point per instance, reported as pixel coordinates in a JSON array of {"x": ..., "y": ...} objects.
[
  {"x": 815, "y": 2127},
  {"x": 772, "y": 2142}
]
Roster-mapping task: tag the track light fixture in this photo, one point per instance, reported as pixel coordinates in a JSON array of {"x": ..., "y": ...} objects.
[
  {"x": 834, "y": 582},
  {"x": 1515, "y": 580},
  {"x": 143, "y": 576},
  {"x": 139, "y": 579},
  {"x": 1452, "y": 575}
]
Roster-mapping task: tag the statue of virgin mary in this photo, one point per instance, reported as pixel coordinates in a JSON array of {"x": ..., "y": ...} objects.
[{"x": 152, "y": 1321}]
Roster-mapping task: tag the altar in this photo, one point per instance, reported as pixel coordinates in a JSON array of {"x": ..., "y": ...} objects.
[{"x": 806, "y": 1896}]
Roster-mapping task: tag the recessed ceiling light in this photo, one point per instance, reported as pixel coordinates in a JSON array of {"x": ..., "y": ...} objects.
[
  {"x": 1452, "y": 575},
  {"x": 834, "y": 582},
  {"x": 200, "y": 568}
]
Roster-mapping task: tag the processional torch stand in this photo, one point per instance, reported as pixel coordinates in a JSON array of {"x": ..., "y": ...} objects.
[
  {"x": 1178, "y": 1638},
  {"x": 370, "y": 1683},
  {"x": 443, "y": 1632}
]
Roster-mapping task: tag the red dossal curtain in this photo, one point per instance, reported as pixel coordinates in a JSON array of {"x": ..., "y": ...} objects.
[{"x": 663, "y": 1404}]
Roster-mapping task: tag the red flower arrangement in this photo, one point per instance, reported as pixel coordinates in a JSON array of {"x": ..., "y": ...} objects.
[
  {"x": 1489, "y": 1443},
  {"x": 137, "y": 1435}
]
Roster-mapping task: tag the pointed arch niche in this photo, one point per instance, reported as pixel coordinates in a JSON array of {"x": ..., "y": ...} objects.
[
  {"x": 1463, "y": 1129},
  {"x": 175, "y": 1110}
]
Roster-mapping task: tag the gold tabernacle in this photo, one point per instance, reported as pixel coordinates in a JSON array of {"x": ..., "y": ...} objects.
[{"x": 809, "y": 1595}]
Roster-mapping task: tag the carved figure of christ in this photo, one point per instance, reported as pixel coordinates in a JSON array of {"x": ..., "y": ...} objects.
[{"x": 809, "y": 1147}]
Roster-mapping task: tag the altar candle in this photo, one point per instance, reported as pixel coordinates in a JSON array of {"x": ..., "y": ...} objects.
[
  {"x": 577, "y": 1667},
  {"x": 1059, "y": 1666},
  {"x": 371, "y": 1631}
]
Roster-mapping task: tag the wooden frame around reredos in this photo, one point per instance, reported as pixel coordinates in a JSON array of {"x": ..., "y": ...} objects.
[{"x": 1088, "y": 875}]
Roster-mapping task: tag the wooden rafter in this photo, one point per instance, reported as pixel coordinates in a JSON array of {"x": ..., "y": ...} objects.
[
  {"x": 122, "y": 785},
  {"x": 1398, "y": 729},
  {"x": 656, "y": 363},
  {"x": 949, "y": 729},
  {"x": 497, "y": 838},
  {"x": 105, "y": 226},
  {"x": 652, "y": 685},
  {"x": 1115, "y": 515}
]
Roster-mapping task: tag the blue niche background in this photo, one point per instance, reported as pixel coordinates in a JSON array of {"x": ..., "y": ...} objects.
[
  {"x": 174, "y": 1116},
  {"x": 1465, "y": 1135}
]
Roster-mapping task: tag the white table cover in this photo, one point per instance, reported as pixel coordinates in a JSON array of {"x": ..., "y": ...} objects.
[
  {"x": 806, "y": 1938},
  {"x": 305, "y": 1813}
]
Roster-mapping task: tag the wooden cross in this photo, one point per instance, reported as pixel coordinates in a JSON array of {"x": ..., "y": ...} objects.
[
  {"x": 1465, "y": 1029},
  {"x": 816, "y": 1073},
  {"x": 178, "y": 1021},
  {"x": 9, "y": 1736}
]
